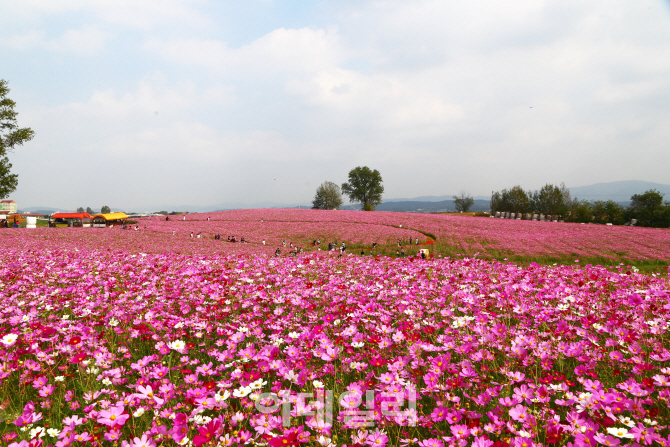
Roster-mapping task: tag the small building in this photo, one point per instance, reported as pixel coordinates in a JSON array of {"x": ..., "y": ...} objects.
[
  {"x": 8, "y": 205},
  {"x": 70, "y": 220},
  {"x": 108, "y": 219},
  {"x": 28, "y": 220}
]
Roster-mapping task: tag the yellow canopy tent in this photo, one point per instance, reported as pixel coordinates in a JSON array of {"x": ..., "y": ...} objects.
[{"x": 108, "y": 218}]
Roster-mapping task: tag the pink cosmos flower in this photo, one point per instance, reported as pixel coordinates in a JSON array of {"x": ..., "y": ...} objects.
[
  {"x": 643, "y": 434},
  {"x": 329, "y": 355},
  {"x": 113, "y": 417},
  {"x": 112, "y": 435},
  {"x": 144, "y": 441},
  {"x": 244, "y": 436},
  {"x": 482, "y": 442},
  {"x": 431, "y": 442},
  {"x": 82, "y": 437},
  {"x": 519, "y": 413},
  {"x": 607, "y": 440},
  {"x": 40, "y": 382},
  {"x": 377, "y": 439},
  {"x": 146, "y": 392},
  {"x": 47, "y": 390},
  {"x": 460, "y": 431}
]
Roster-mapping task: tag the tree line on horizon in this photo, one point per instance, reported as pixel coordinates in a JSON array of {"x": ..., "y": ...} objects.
[
  {"x": 364, "y": 187},
  {"x": 649, "y": 208},
  {"x": 104, "y": 210}
]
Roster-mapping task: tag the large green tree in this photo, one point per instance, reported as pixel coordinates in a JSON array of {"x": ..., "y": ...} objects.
[
  {"x": 11, "y": 136},
  {"x": 513, "y": 200},
  {"x": 365, "y": 187},
  {"x": 463, "y": 202},
  {"x": 608, "y": 212},
  {"x": 551, "y": 200},
  {"x": 649, "y": 209},
  {"x": 105, "y": 210},
  {"x": 328, "y": 197}
]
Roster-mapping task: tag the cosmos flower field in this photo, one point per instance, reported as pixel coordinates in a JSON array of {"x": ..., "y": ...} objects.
[{"x": 145, "y": 338}]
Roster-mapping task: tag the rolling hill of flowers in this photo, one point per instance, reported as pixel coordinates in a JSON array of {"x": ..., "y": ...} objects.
[{"x": 144, "y": 338}]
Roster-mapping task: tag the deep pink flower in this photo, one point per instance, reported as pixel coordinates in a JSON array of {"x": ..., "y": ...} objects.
[{"x": 207, "y": 433}]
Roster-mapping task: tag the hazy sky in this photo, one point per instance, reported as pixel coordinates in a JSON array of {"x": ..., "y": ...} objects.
[{"x": 145, "y": 103}]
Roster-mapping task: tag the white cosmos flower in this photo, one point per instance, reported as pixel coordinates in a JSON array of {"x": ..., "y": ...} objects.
[
  {"x": 221, "y": 397},
  {"x": 139, "y": 412},
  {"x": 625, "y": 420},
  {"x": 201, "y": 420},
  {"x": 258, "y": 384},
  {"x": 9, "y": 339},
  {"x": 53, "y": 432},
  {"x": 317, "y": 384},
  {"x": 241, "y": 392},
  {"x": 294, "y": 335},
  {"x": 177, "y": 345},
  {"x": 358, "y": 344},
  {"x": 37, "y": 431},
  {"x": 325, "y": 442},
  {"x": 619, "y": 432}
]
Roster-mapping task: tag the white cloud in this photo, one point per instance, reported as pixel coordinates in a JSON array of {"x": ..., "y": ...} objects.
[
  {"x": 23, "y": 41},
  {"x": 384, "y": 102},
  {"x": 280, "y": 51},
  {"x": 87, "y": 40},
  {"x": 145, "y": 14},
  {"x": 83, "y": 41}
]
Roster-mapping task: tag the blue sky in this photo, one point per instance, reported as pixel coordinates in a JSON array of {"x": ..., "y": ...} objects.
[{"x": 149, "y": 104}]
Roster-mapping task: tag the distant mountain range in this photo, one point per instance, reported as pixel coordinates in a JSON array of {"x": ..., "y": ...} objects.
[
  {"x": 620, "y": 192},
  {"x": 617, "y": 191}
]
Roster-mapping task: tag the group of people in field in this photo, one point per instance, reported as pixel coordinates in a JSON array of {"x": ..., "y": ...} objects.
[
  {"x": 295, "y": 250},
  {"x": 230, "y": 238},
  {"x": 416, "y": 241},
  {"x": 126, "y": 226}
]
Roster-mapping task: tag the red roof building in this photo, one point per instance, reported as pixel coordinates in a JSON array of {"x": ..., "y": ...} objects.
[
  {"x": 71, "y": 216},
  {"x": 8, "y": 205}
]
